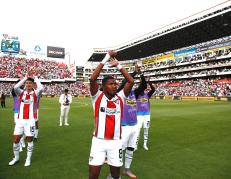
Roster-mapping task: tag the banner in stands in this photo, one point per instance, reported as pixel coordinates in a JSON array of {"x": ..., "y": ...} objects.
[
  {"x": 158, "y": 59},
  {"x": 214, "y": 46},
  {"x": 220, "y": 48},
  {"x": 55, "y": 52},
  {"x": 165, "y": 57},
  {"x": 185, "y": 52}
]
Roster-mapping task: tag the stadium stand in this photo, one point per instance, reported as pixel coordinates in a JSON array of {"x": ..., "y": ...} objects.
[
  {"x": 56, "y": 76},
  {"x": 12, "y": 67},
  {"x": 192, "y": 58},
  {"x": 189, "y": 59},
  {"x": 52, "y": 89}
]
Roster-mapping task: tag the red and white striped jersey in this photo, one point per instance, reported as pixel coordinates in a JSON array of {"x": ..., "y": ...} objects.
[
  {"x": 108, "y": 115},
  {"x": 28, "y": 105},
  {"x": 28, "y": 101}
]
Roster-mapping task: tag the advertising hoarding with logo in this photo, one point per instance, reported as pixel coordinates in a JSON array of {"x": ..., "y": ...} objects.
[
  {"x": 37, "y": 50},
  {"x": 55, "y": 52}
]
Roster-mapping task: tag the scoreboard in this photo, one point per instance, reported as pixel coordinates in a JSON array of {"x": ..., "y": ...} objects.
[{"x": 10, "y": 46}]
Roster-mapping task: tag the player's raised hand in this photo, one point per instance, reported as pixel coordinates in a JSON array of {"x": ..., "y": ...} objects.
[
  {"x": 32, "y": 72},
  {"x": 29, "y": 74},
  {"x": 112, "y": 53},
  {"x": 113, "y": 62}
]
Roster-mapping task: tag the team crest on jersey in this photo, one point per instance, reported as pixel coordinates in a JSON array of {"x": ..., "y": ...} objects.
[
  {"x": 27, "y": 101},
  {"x": 102, "y": 109}
]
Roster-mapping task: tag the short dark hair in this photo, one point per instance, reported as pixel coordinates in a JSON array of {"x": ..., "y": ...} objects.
[
  {"x": 66, "y": 90},
  {"x": 30, "y": 79},
  {"x": 106, "y": 78}
]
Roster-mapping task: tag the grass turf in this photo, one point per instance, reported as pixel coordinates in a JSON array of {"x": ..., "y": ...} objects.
[{"x": 188, "y": 139}]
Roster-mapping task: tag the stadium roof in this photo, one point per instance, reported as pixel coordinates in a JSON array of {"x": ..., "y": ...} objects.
[{"x": 208, "y": 27}]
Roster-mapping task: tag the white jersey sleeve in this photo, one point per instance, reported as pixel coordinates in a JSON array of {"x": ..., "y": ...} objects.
[
  {"x": 39, "y": 86},
  {"x": 17, "y": 88}
]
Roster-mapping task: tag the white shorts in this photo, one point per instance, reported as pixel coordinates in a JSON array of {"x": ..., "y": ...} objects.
[
  {"x": 129, "y": 136},
  {"x": 143, "y": 121},
  {"x": 102, "y": 149},
  {"x": 26, "y": 127}
]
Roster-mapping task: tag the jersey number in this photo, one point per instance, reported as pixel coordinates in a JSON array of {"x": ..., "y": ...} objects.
[
  {"x": 32, "y": 129},
  {"x": 120, "y": 153}
]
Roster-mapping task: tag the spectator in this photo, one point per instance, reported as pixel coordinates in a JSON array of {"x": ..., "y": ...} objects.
[{"x": 3, "y": 100}]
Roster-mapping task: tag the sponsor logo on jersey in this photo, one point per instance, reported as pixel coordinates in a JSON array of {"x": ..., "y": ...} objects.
[
  {"x": 27, "y": 101},
  {"x": 111, "y": 111},
  {"x": 130, "y": 102}
]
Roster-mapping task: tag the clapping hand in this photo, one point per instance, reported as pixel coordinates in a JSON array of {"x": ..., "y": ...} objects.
[
  {"x": 31, "y": 72},
  {"x": 112, "y": 53},
  {"x": 114, "y": 62}
]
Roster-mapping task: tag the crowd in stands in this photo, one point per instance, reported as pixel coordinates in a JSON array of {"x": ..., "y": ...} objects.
[
  {"x": 198, "y": 66},
  {"x": 192, "y": 75},
  {"x": 51, "y": 89},
  {"x": 194, "y": 87},
  {"x": 6, "y": 87},
  {"x": 12, "y": 67},
  {"x": 206, "y": 63},
  {"x": 56, "y": 89}
]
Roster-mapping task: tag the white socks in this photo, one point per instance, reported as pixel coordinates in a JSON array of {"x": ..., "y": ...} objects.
[
  {"x": 128, "y": 158},
  {"x": 30, "y": 147},
  {"x": 145, "y": 136},
  {"x": 16, "y": 148}
]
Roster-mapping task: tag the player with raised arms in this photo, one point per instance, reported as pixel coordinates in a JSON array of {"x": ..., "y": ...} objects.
[
  {"x": 130, "y": 123},
  {"x": 108, "y": 110},
  {"x": 143, "y": 112},
  {"x": 25, "y": 123}
]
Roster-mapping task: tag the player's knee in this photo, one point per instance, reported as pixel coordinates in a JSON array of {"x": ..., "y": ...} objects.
[
  {"x": 94, "y": 172},
  {"x": 29, "y": 138},
  {"x": 16, "y": 139},
  {"x": 115, "y": 172},
  {"x": 93, "y": 175}
]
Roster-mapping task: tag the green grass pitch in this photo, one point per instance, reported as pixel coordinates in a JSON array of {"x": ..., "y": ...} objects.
[{"x": 188, "y": 140}]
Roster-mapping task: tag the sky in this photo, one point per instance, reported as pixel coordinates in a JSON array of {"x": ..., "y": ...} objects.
[{"x": 80, "y": 26}]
